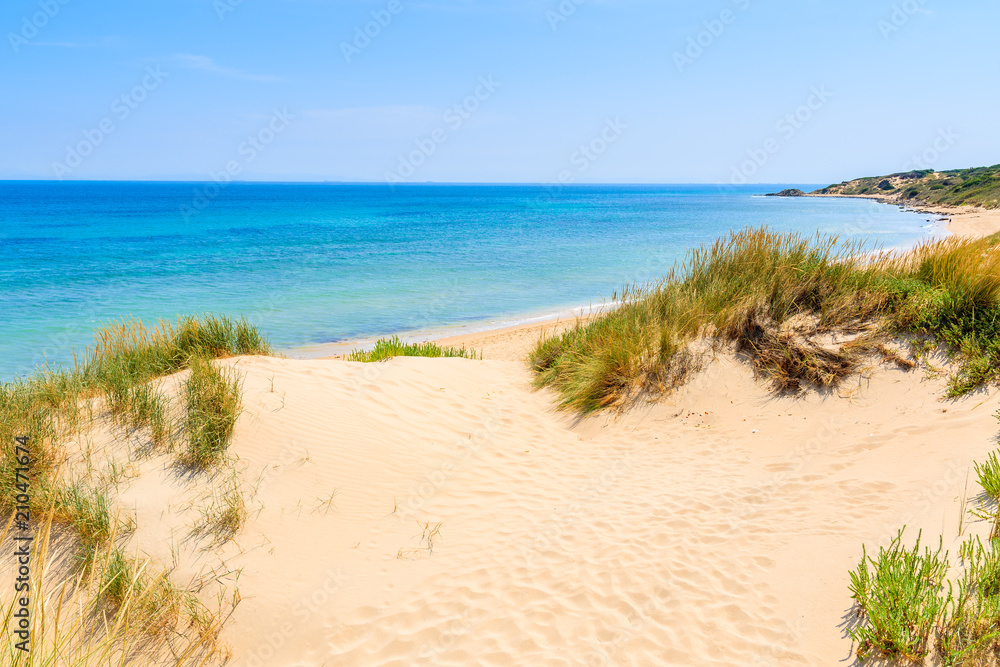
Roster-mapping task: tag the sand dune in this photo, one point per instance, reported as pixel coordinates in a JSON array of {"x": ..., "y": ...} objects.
[{"x": 440, "y": 511}]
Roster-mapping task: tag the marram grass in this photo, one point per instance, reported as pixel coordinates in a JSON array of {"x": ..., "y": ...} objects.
[
  {"x": 121, "y": 368},
  {"x": 120, "y": 613},
  {"x": 387, "y": 348},
  {"x": 212, "y": 399},
  {"x": 126, "y": 617},
  {"x": 774, "y": 296}
]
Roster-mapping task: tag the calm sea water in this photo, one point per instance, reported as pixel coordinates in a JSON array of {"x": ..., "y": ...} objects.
[{"x": 313, "y": 263}]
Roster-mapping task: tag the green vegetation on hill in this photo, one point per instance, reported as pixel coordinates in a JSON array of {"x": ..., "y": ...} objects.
[
  {"x": 777, "y": 298},
  {"x": 959, "y": 187}
]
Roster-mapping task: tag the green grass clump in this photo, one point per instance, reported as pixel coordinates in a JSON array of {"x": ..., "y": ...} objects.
[
  {"x": 212, "y": 399},
  {"x": 120, "y": 367},
  {"x": 128, "y": 354},
  {"x": 899, "y": 597},
  {"x": 118, "y": 578},
  {"x": 137, "y": 407},
  {"x": 989, "y": 476},
  {"x": 50, "y": 406},
  {"x": 906, "y": 610},
  {"x": 775, "y": 296},
  {"x": 88, "y": 511},
  {"x": 387, "y": 348},
  {"x": 970, "y": 633},
  {"x": 125, "y": 617}
]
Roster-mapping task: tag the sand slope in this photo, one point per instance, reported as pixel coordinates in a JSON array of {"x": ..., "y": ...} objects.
[{"x": 473, "y": 524}]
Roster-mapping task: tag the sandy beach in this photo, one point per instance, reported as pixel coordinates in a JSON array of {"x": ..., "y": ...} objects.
[
  {"x": 440, "y": 511},
  {"x": 965, "y": 221}
]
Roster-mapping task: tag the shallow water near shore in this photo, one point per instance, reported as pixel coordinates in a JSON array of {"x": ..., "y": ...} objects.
[{"x": 318, "y": 263}]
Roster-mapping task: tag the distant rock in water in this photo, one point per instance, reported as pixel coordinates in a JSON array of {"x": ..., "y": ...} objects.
[{"x": 794, "y": 192}]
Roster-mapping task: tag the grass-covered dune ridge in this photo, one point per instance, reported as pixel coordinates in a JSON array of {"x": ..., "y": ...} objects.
[
  {"x": 979, "y": 186},
  {"x": 127, "y": 603},
  {"x": 780, "y": 298},
  {"x": 126, "y": 356}
]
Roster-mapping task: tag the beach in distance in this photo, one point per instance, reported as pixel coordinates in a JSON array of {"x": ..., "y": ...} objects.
[{"x": 506, "y": 340}]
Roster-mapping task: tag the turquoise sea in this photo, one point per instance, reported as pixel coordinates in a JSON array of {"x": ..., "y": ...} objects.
[{"x": 317, "y": 263}]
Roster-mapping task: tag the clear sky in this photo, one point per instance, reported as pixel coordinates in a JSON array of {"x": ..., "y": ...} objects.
[{"x": 643, "y": 91}]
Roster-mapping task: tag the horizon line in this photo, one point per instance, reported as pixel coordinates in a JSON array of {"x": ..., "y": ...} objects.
[{"x": 394, "y": 185}]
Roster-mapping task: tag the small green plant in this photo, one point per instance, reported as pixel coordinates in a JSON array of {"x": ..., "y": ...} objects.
[
  {"x": 899, "y": 599},
  {"x": 989, "y": 476},
  {"x": 970, "y": 632},
  {"x": 227, "y": 512},
  {"x": 387, "y": 348},
  {"x": 212, "y": 399},
  {"x": 902, "y": 600}
]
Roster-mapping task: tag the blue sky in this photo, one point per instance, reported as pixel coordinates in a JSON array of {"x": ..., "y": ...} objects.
[{"x": 637, "y": 91}]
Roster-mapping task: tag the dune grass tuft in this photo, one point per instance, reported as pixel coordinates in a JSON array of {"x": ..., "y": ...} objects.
[
  {"x": 120, "y": 373},
  {"x": 780, "y": 299},
  {"x": 125, "y": 617},
  {"x": 120, "y": 367},
  {"x": 227, "y": 510},
  {"x": 387, "y": 348},
  {"x": 212, "y": 398},
  {"x": 88, "y": 511}
]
